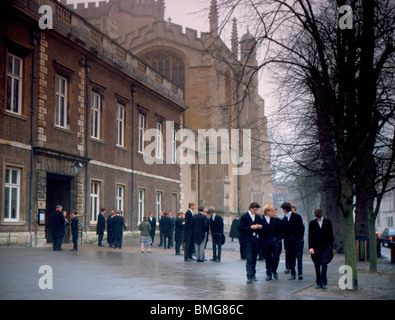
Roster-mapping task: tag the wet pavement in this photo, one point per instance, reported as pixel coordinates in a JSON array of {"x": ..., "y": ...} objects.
[{"x": 105, "y": 273}]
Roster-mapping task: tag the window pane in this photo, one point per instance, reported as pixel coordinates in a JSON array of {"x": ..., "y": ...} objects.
[
  {"x": 96, "y": 123},
  {"x": 14, "y": 203},
  {"x": 57, "y": 110},
  {"x": 9, "y": 93},
  {"x": 10, "y": 63},
  {"x": 7, "y": 203},
  {"x": 17, "y": 67},
  {"x": 14, "y": 176},
  {"x": 16, "y": 96},
  {"x": 62, "y": 111},
  {"x": 7, "y": 175},
  {"x": 63, "y": 86}
]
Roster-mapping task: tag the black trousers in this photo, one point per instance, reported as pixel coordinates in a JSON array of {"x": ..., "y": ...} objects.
[
  {"x": 188, "y": 244},
  {"x": 118, "y": 242},
  {"x": 178, "y": 246},
  {"x": 171, "y": 242},
  {"x": 251, "y": 250},
  {"x": 242, "y": 251},
  {"x": 75, "y": 243},
  {"x": 166, "y": 240},
  {"x": 321, "y": 258},
  {"x": 100, "y": 240},
  {"x": 57, "y": 243},
  {"x": 217, "y": 246},
  {"x": 294, "y": 251},
  {"x": 110, "y": 238},
  {"x": 271, "y": 251}
]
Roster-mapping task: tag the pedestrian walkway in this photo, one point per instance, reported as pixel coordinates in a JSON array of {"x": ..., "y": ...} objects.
[{"x": 104, "y": 273}]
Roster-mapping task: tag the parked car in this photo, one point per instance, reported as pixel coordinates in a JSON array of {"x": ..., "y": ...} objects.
[{"x": 387, "y": 236}]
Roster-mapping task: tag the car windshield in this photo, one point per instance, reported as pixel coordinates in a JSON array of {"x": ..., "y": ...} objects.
[{"x": 391, "y": 230}]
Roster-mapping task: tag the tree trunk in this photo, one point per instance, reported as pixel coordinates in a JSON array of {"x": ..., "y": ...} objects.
[
  {"x": 361, "y": 224},
  {"x": 373, "y": 241},
  {"x": 346, "y": 203},
  {"x": 333, "y": 212}
]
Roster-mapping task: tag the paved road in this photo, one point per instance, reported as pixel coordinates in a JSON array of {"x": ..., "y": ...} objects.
[{"x": 93, "y": 273}]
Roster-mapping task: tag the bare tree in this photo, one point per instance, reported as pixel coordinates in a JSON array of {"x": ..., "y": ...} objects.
[{"x": 340, "y": 77}]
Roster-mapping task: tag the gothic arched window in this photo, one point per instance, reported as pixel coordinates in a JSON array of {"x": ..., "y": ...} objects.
[
  {"x": 168, "y": 65},
  {"x": 161, "y": 64}
]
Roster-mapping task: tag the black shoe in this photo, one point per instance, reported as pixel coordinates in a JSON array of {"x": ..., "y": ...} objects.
[
  {"x": 73, "y": 250},
  {"x": 275, "y": 275},
  {"x": 300, "y": 277},
  {"x": 189, "y": 259},
  {"x": 249, "y": 280},
  {"x": 178, "y": 253},
  {"x": 318, "y": 286},
  {"x": 324, "y": 287},
  {"x": 217, "y": 260},
  {"x": 292, "y": 277},
  {"x": 287, "y": 271},
  {"x": 268, "y": 278},
  {"x": 254, "y": 278}
]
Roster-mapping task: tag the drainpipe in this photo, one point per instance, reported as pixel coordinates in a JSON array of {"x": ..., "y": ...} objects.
[
  {"x": 133, "y": 89},
  {"x": 35, "y": 37},
  {"x": 88, "y": 64}
]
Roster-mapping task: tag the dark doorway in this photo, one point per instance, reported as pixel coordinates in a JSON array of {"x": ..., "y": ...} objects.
[{"x": 58, "y": 192}]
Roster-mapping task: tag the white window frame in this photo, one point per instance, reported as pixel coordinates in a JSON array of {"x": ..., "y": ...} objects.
[
  {"x": 173, "y": 146},
  {"x": 95, "y": 200},
  {"x": 120, "y": 197},
  {"x": 96, "y": 115},
  {"x": 159, "y": 140},
  {"x": 16, "y": 78},
  {"x": 158, "y": 203},
  {"x": 140, "y": 203},
  {"x": 120, "y": 125},
  {"x": 61, "y": 96},
  {"x": 141, "y": 128},
  {"x": 12, "y": 186}
]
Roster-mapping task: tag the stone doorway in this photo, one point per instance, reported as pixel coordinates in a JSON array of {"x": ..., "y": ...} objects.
[{"x": 58, "y": 192}]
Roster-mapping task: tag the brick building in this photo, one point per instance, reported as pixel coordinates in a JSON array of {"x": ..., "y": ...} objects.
[{"x": 73, "y": 106}]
